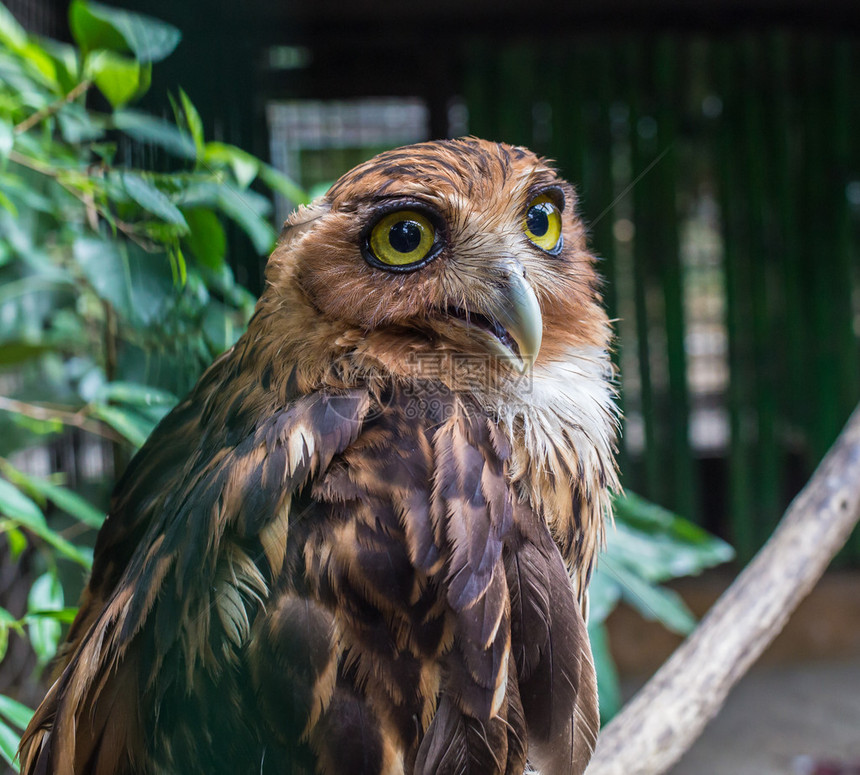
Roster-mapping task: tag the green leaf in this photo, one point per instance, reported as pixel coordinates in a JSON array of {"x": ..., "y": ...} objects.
[
  {"x": 7, "y": 138},
  {"x": 15, "y": 712},
  {"x": 66, "y": 59},
  {"x": 9, "y": 744},
  {"x": 67, "y": 500},
  {"x": 121, "y": 79},
  {"x": 15, "y": 505},
  {"x": 151, "y": 199},
  {"x": 193, "y": 120},
  {"x": 130, "y": 424},
  {"x": 221, "y": 326},
  {"x": 90, "y": 32},
  {"x": 5, "y": 620},
  {"x": 83, "y": 556},
  {"x": 97, "y": 26},
  {"x": 39, "y": 427},
  {"x": 40, "y": 64},
  {"x": 206, "y": 239},
  {"x": 17, "y": 542},
  {"x": 78, "y": 125},
  {"x": 63, "y": 615},
  {"x": 103, "y": 265},
  {"x": 277, "y": 181},
  {"x": 18, "y": 507},
  {"x": 137, "y": 284},
  {"x": 604, "y": 592},
  {"x": 25, "y": 195},
  {"x": 137, "y": 394},
  {"x": 608, "y": 683},
  {"x": 246, "y": 208},
  {"x": 659, "y": 544},
  {"x": 9, "y": 206},
  {"x": 46, "y": 594},
  {"x": 653, "y": 602},
  {"x": 147, "y": 129},
  {"x": 243, "y": 208},
  {"x": 35, "y": 60},
  {"x": 12, "y": 34},
  {"x": 244, "y": 166}
]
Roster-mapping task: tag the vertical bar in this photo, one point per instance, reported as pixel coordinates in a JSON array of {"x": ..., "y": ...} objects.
[
  {"x": 642, "y": 250},
  {"x": 793, "y": 322},
  {"x": 841, "y": 98},
  {"x": 819, "y": 249},
  {"x": 600, "y": 197},
  {"x": 762, "y": 272},
  {"x": 732, "y": 203},
  {"x": 568, "y": 142},
  {"x": 478, "y": 87},
  {"x": 834, "y": 138},
  {"x": 515, "y": 93},
  {"x": 668, "y": 253}
]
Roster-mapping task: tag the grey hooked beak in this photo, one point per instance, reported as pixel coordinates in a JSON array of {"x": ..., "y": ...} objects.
[{"x": 518, "y": 311}]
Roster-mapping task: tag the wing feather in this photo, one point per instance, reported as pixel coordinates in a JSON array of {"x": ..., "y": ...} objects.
[
  {"x": 171, "y": 547},
  {"x": 553, "y": 656}
]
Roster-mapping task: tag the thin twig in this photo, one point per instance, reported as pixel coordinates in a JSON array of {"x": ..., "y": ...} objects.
[
  {"x": 64, "y": 416},
  {"x": 50, "y": 110}
]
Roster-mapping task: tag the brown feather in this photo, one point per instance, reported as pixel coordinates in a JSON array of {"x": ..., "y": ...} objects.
[{"x": 348, "y": 549}]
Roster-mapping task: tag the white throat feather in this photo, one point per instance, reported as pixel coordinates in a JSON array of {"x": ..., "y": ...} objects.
[{"x": 563, "y": 425}]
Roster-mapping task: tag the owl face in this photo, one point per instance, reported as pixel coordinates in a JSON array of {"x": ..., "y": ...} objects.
[{"x": 460, "y": 247}]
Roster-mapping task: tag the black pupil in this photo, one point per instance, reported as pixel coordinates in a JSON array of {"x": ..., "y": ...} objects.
[
  {"x": 537, "y": 220},
  {"x": 405, "y": 236}
]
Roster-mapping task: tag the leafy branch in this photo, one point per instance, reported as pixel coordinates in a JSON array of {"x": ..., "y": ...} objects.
[
  {"x": 49, "y": 110},
  {"x": 115, "y": 289}
]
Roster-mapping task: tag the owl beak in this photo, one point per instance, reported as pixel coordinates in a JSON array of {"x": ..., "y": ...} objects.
[
  {"x": 517, "y": 309},
  {"x": 509, "y": 313}
]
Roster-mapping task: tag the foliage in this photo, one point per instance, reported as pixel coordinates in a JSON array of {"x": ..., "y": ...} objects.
[
  {"x": 647, "y": 546},
  {"x": 115, "y": 292},
  {"x": 114, "y": 285}
]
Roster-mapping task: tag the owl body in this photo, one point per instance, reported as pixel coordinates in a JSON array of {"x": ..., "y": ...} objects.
[{"x": 361, "y": 544}]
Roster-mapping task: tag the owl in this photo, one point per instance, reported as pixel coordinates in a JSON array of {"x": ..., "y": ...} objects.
[{"x": 361, "y": 545}]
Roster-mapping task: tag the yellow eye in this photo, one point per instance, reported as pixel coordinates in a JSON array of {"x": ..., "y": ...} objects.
[
  {"x": 542, "y": 224},
  {"x": 402, "y": 238}
]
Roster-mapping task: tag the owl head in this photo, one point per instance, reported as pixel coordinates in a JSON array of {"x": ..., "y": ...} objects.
[{"x": 454, "y": 249}]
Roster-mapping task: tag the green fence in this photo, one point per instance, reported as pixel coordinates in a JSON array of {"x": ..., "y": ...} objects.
[{"x": 721, "y": 179}]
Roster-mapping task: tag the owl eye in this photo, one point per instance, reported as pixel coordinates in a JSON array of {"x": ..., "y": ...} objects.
[
  {"x": 402, "y": 238},
  {"x": 542, "y": 224}
]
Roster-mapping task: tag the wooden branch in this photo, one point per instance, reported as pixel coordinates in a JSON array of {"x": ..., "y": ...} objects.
[{"x": 663, "y": 720}]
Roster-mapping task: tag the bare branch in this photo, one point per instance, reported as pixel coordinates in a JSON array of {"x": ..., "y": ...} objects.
[{"x": 664, "y": 719}]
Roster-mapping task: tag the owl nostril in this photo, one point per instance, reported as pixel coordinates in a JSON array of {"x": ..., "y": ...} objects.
[{"x": 511, "y": 269}]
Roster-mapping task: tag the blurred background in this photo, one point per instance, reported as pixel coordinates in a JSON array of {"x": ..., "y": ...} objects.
[{"x": 714, "y": 147}]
